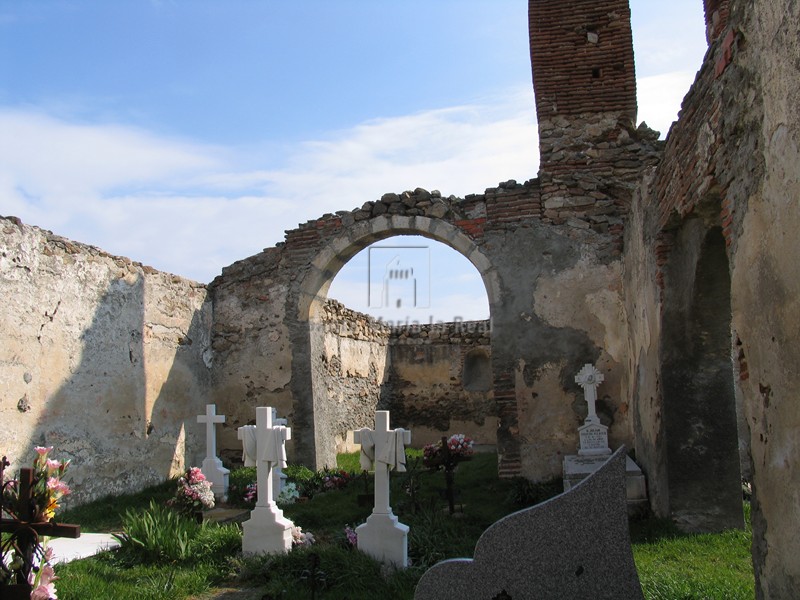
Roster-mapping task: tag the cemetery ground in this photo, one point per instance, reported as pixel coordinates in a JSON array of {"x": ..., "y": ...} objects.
[{"x": 177, "y": 558}]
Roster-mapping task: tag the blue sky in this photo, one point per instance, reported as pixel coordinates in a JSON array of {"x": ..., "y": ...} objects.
[{"x": 190, "y": 134}]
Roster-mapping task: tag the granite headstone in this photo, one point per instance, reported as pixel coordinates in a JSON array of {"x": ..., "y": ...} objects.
[{"x": 575, "y": 545}]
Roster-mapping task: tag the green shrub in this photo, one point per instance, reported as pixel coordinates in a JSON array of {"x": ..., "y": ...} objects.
[
  {"x": 156, "y": 535},
  {"x": 298, "y": 473},
  {"x": 238, "y": 482}
]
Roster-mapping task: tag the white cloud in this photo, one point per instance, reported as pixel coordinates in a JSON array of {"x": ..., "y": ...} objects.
[
  {"x": 660, "y": 98},
  {"x": 186, "y": 208},
  {"x": 192, "y": 208}
]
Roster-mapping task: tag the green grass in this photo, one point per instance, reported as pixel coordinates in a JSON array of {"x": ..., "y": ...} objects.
[
  {"x": 106, "y": 514},
  {"x": 674, "y": 565},
  {"x": 671, "y": 565}
]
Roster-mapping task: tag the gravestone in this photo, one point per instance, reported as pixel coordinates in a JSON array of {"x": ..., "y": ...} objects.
[
  {"x": 247, "y": 435},
  {"x": 267, "y": 530},
  {"x": 383, "y": 537},
  {"x": 212, "y": 466},
  {"x": 593, "y": 434},
  {"x": 575, "y": 545},
  {"x": 594, "y": 448}
]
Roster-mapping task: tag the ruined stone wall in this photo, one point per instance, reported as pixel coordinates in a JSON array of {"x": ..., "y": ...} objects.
[
  {"x": 100, "y": 357},
  {"x": 762, "y": 128},
  {"x": 251, "y": 346},
  {"x": 352, "y": 365},
  {"x": 441, "y": 381},
  {"x": 555, "y": 301},
  {"x": 731, "y": 165}
]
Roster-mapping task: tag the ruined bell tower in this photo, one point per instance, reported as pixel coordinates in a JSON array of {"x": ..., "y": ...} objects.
[{"x": 584, "y": 82}]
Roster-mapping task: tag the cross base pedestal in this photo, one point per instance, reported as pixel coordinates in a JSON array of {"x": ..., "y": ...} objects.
[
  {"x": 218, "y": 476},
  {"x": 385, "y": 539},
  {"x": 267, "y": 531}
]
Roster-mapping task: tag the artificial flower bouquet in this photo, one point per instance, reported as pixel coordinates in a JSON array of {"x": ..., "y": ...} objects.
[
  {"x": 47, "y": 489},
  {"x": 193, "y": 493}
]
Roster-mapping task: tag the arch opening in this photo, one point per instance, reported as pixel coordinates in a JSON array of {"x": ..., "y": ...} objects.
[
  {"x": 698, "y": 386},
  {"x": 410, "y": 365}
]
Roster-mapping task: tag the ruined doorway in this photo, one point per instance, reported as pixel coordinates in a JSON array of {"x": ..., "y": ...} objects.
[
  {"x": 348, "y": 355},
  {"x": 698, "y": 384}
]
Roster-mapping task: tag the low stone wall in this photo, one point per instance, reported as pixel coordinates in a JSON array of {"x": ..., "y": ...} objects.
[
  {"x": 102, "y": 358},
  {"x": 441, "y": 381}
]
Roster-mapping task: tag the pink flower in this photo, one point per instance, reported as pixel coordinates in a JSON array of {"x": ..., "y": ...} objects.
[
  {"x": 53, "y": 465},
  {"x": 42, "y": 451},
  {"x": 44, "y": 592},
  {"x": 55, "y": 484}
]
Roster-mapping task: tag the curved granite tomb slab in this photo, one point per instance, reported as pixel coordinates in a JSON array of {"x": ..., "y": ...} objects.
[{"x": 575, "y": 545}]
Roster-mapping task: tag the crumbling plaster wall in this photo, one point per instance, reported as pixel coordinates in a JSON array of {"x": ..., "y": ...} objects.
[
  {"x": 350, "y": 362},
  {"x": 100, "y": 357},
  {"x": 765, "y": 258},
  {"x": 732, "y": 161},
  {"x": 265, "y": 338},
  {"x": 441, "y": 381}
]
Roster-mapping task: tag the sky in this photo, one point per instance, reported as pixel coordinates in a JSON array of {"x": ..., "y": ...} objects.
[{"x": 188, "y": 134}]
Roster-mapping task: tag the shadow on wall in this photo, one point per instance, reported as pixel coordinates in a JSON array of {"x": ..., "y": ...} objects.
[{"x": 121, "y": 413}]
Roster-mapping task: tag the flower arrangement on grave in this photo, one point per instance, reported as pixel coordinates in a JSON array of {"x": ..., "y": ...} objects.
[
  {"x": 289, "y": 494},
  {"x": 47, "y": 489},
  {"x": 447, "y": 453},
  {"x": 350, "y": 536},
  {"x": 300, "y": 538},
  {"x": 193, "y": 493},
  {"x": 250, "y": 494},
  {"x": 334, "y": 479},
  {"x": 41, "y": 578}
]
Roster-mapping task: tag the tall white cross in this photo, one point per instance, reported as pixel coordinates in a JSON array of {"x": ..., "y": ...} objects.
[
  {"x": 589, "y": 378},
  {"x": 382, "y": 536},
  {"x": 385, "y": 449},
  {"x": 267, "y": 530},
  {"x": 211, "y": 418},
  {"x": 270, "y": 453}
]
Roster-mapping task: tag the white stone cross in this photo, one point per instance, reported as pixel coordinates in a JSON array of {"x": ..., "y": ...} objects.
[
  {"x": 382, "y": 536},
  {"x": 270, "y": 453},
  {"x": 267, "y": 530},
  {"x": 384, "y": 449},
  {"x": 212, "y": 466},
  {"x": 211, "y": 418},
  {"x": 589, "y": 378}
]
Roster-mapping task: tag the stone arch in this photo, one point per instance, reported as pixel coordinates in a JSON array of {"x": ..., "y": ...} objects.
[
  {"x": 316, "y": 447},
  {"x": 700, "y": 422},
  {"x": 332, "y": 257}
]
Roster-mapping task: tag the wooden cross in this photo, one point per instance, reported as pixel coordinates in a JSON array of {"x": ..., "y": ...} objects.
[
  {"x": 211, "y": 418},
  {"x": 24, "y": 534}
]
